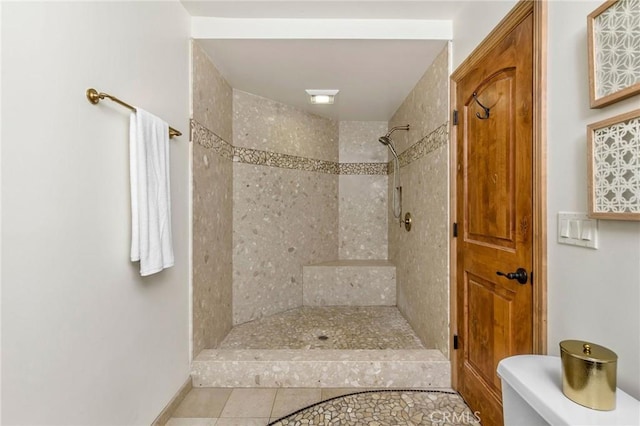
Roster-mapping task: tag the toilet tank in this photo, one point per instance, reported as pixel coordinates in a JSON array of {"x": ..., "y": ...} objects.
[{"x": 532, "y": 395}]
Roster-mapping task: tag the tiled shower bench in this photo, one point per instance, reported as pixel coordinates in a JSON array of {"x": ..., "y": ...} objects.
[{"x": 349, "y": 283}]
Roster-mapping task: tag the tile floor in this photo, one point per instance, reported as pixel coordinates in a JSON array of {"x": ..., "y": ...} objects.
[
  {"x": 327, "y": 327},
  {"x": 345, "y": 328},
  {"x": 247, "y": 406}
]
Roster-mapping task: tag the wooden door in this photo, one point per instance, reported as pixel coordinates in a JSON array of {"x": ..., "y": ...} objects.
[{"x": 494, "y": 192}]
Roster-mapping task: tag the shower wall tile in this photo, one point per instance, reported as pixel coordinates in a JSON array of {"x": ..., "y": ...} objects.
[
  {"x": 212, "y": 207},
  {"x": 283, "y": 219},
  {"x": 267, "y": 125},
  {"x": 363, "y": 217},
  {"x": 421, "y": 256},
  {"x": 426, "y": 107},
  {"x": 212, "y": 95},
  {"x": 212, "y": 203},
  {"x": 359, "y": 142},
  {"x": 363, "y": 198}
]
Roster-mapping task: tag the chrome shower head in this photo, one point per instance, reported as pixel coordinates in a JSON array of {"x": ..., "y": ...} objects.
[{"x": 384, "y": 140}]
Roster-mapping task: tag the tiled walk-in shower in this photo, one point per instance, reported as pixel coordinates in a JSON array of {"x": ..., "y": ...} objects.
[{"x": 294, "y": 241}]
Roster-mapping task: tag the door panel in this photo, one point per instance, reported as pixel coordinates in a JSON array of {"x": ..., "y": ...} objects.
[
  {"x": 490, "y": 164},
  {"x": 494, "y": 190},
  {"x": 490, "y": 320}
]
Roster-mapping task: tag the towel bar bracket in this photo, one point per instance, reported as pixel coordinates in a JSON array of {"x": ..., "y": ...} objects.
[{"x": 93, "y": 96}]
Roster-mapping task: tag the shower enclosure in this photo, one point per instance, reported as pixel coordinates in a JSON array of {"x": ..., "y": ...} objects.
[{"x": 298, "y": 261}]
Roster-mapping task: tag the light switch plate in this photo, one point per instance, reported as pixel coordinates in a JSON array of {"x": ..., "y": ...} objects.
[{"x": 577, "y": 229}]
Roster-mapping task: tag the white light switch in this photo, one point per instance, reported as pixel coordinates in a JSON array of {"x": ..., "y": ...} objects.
[
  {"x": 574, "y": 228},
  {"x": 577, "y": 229}
]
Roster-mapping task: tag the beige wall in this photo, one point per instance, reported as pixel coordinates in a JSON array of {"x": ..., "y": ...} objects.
[
  {"x": 85, "y": 339},
  {"x": 603, "y": 282},
  {"x": 285, "y": 208},
  {"x": 212, "y": 203},
  {"x": 363, "y": 198},
  {"x": 421, "y": 256}
]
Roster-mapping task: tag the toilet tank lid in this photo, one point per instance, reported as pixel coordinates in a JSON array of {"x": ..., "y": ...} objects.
[{"x": 538, "y": 380}]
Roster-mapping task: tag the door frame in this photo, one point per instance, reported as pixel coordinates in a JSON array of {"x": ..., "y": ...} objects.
[{"x": 520, "y": 11}]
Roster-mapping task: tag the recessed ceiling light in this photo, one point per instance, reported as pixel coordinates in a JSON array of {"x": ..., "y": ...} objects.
[{"x": 324, "y": 96}]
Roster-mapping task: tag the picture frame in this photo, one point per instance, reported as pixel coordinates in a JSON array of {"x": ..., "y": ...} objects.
[
  {"x": 614, "y": 167},
  {"x": 614, "y": 52}
]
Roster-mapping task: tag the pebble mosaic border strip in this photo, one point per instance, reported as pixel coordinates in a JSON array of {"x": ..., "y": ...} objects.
[
  {"x": 284, "y": 161},
  {"x": 206, "y": 138},
  {"x": 364, "y": 169},
  {"x": 434, "y": 140}
]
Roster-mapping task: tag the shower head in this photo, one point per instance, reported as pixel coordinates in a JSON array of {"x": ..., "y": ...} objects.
[{"x": 386, "y": 139}]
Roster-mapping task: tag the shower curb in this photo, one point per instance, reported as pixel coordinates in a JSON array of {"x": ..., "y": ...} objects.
[{"x": 321, "y": 368}]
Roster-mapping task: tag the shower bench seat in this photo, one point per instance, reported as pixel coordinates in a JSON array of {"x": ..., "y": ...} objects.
[{"x": 349, "y": 283}]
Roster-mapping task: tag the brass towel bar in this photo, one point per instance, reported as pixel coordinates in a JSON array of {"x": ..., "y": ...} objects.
[{"x": 94, "y": 97}]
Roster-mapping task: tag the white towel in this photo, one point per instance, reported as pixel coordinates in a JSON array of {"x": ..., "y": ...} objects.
[{"x": 151, "y": 242}]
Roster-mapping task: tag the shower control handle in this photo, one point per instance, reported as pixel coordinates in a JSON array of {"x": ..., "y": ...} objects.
[
  {"x": 520, "y": 275},
  {"x": 407, "y": 222}
]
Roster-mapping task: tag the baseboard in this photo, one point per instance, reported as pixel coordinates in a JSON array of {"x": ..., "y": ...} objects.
[{"x": 167, "y": 412}]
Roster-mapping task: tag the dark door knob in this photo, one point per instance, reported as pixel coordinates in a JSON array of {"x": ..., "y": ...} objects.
[{"x": 520, "y": 274}]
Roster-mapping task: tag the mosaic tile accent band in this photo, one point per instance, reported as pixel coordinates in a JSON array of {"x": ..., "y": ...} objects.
[
  {"x": 434, "y": 140},
  {"x": 364, "y": 168},
  {"x": 283, "y": 161},
  {"x": 208, "y": 139}
]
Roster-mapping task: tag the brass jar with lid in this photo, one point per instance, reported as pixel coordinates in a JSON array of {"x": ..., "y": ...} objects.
[{"x": 589, "y": 374}]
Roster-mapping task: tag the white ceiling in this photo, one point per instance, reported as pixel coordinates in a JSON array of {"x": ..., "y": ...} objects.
[
  {"x": 373, "y": 75},
  {"x": 346, "y": 9}
]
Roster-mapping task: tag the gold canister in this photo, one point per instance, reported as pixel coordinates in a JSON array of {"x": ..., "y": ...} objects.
[{"x": 589, "y": 374}]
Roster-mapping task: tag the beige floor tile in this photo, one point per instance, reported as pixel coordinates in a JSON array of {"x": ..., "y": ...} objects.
[
  {"x": 328, "y": 393},
  {"x": 289, "y": 400},
  {"x": 249, "y": 403},
  {"x": 247, "y": 421},
  {"x": 203, "y": 402},
  {"x": 191, "y": 422}
]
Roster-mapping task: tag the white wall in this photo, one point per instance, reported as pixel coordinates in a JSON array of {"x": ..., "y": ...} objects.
[
  {"x": 592, "y": 294},
  {"x": 85, "y": 340},
  {"x": 473, "y": 22}
]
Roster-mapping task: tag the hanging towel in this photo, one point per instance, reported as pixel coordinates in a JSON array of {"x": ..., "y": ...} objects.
[{"x": 151, "y": 241}]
